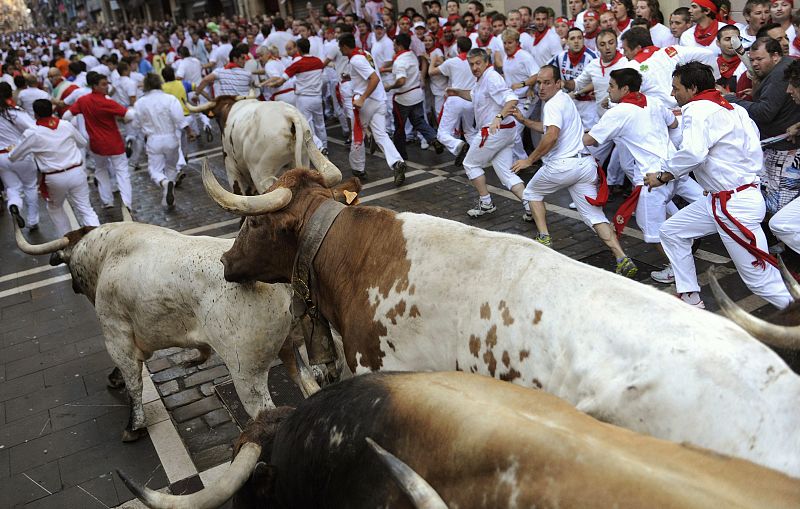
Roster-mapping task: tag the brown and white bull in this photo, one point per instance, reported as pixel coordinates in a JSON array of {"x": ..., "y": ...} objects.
[
  {"x": 261, "y": 140},
  {"x": 415, "y": 292},
  {"x": 154, "y": 288},
  {"x": 478, "y": 443}
]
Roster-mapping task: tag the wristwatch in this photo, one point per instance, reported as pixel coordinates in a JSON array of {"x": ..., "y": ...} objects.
[
  {"x": 500, "y": 116},
  {"x": 658, "y": 177}
]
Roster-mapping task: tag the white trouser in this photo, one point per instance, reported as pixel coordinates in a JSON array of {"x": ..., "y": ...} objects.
[
  {"x": 614, "y": 174},
  {"x": 498, "y": 150},
  {"x": 457, "y": 114},
  {"x": 162, "y": 157},
  {"x": 286, "y": 97},
  {"x": 181, "y": 135},
  {"x": 346, "y": 92},
  {"x": 373, "y": 114},
  {"x": 438, "y": 103},
  {"x": 116, "y": 166},
  {"x": 697, "y": 220},
  {"x": 134, "y": 134},
  {"x": 338, "y": 105},
  {"x": 70, "y": 185},
  {"x": 311, "y": 108},
  {"x": 579, "y": 175},
  {"x": 654, "y": 206},
  {"x": 19, "y": 179},
  {"x": 388, "y": 79},
  {"x": 786, "y": 225}
]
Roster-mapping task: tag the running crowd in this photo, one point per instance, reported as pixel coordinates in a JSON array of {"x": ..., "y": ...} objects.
[{"x": 692, "y": 105}]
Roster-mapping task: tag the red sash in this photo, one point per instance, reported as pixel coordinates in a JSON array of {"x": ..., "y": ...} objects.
[
  {"x": 485, "y": 131},
  {"x": 749, "y": 242},
  {"x": 602, "y": 188},
  {"x": 626, "y": 210}
]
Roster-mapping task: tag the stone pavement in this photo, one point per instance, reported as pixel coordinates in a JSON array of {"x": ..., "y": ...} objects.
[{"x": 60, "y": 426}]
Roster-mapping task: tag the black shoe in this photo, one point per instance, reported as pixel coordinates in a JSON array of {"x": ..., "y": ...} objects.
[
  {"x": 437, "y": 146},
  {"x": 324, "y": 152},
  {"x": 399, "y": 173},
  {"x": 129, "y": 148},
  {"x": 170, "y": 194},
  {"x": 209, "y": 134},
  {"x": 359, "y": 174},
  {"x": 34, "y": 228},
  {"x": 181, "y": 176},
  {"x": 462, "y": 154},
  {"x": 372, "y": 145},
  {"x": 347, "y": 141},
  {"x": 17, "y": 217}
]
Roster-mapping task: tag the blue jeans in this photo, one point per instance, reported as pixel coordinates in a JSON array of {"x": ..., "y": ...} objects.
[{"x": 416, "y": 115}]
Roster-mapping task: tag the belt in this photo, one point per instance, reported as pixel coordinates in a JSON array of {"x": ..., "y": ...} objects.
[
  {"x": 4, "y": 151},
  {"x": 62, "y": 171},
  {"x": 485, "y": 131},
  {"x": 406, "y": 91},
  {"x": 284, "y": 91}
]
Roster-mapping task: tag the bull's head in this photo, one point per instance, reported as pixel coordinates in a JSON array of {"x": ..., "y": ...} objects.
[
  {"x": 221, "y": 106},
  {"x": 783, "y": 329},
  {"x": 267, "y": 243}
]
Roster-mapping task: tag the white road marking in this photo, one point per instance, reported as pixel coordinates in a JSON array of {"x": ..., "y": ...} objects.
[
  {"x": 24, "y": 273},
  {"x": 33, "y": 286}
]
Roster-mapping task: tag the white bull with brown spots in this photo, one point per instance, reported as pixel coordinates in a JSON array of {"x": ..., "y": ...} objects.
[{"x": 415, "y": 292}]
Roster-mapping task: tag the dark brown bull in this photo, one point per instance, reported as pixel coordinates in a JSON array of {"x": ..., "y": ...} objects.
[{"x": 479, "y": 443}]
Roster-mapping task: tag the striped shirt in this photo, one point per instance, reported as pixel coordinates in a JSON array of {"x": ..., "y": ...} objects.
[{"x": 234, "y": 81}]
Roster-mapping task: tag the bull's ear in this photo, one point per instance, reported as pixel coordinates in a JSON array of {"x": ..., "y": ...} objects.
[{"x": 347, "y": 191}]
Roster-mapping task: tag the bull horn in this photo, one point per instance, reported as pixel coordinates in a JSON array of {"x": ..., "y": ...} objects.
[
  {"x": 768, "y": 333},
  {"x": 202, "y": 108},
  {"x": 38, "y": 249},
  {"x": 421, "y": 494},
  {"x": 126, "y": 213},
  {"x": 308, "y": 383},
  {"x": 211, "y": 497},
  {"x": 788, "y": 279},
  {"x": 244, "y": 205},
  {"x": 330, "y": 173}
]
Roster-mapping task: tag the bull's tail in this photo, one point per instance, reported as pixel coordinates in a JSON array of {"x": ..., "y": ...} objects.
[{"x": 300, "y": 155}]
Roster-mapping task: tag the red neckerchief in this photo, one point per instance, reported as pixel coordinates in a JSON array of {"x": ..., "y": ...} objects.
[
  {"x": 635, "y": 98},
  {"x": 515, "y": 52},
  {"x": 796, "y": 43},
  {"x": 538, "y": 36},
  {"x": 646, "y": 53},
  {"x": 398, "y": 55},
  {"x": 49, "y": 122},
  {"x": 482, "y": 44},
  {"x": 357, "y": 51},
  {"x": 705, "y": 36},
  {"x": 575, "y": 58},
  {"x": 231, "y": 65},
  {"x": 622, "y": 25},
  {"x": 592, "y": 35},
  {"x": 653, "y": 22},
  {"x": 462, "y": 56},
  {"x": 714, "y": 96},
  {"x": 610, "y": 64},
  {"x": 726, "y": 67}
]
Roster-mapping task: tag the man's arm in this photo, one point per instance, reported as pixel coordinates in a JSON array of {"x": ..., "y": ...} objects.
[
  {"x": 25, "y": 146},
  {"x": 372, "y": 84},
  {"x": 399, "y": 82},
  {"x": 205, "y": 82},
  {"x": 464, "y": 94},
  {"x": 771, "y": 100},
  {"x": 546, "y": 144},
  {"x": 692, "y": 152}
]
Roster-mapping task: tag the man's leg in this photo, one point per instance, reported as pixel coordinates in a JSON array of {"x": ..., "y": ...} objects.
[
  {"x": 477, "y": 157},
  {"x": 448, "y": 122},
  {"x": 786, "y": 225},
  {"x": 420, "y": 123},
  {"x": 319, "y": 122},
  {"x": 357, "y": 154},
  {"x": 12, "y": 183},
  {"x": 57, "y": 188},
  {"x": 399, "y": 114},
  {"x": 28, "y": 177},
  {"x": 102, "y": 171},
  {"x": 677, "y": 234},
  {"x": 122, "y": 173},
  {"x": 78, "y": 194},
  {"x": 377, "y": 123}
]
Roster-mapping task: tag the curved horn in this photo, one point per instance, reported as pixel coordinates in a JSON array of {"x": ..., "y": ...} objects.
[
  {"x": 38, "y": 249},
  {"x": 211, "y": 497},
  {"x": 330, "y": 173},
  {"x": 210, "y": 105},
  {"x": 308, "y": 383},
  {"x": 126, "y": 213},
  {"x": 788, "y": 279},
  {"x": 421, "y": 494},
  {"x": 768, "y": 333},
  {"x": 244, "y": 205}
]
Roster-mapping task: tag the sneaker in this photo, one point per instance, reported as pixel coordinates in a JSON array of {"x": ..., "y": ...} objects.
[
  {"x": 437, "y": 146},
  {"x": 544, "y": 239},
  {"x": 324, "y": 152},
  {"x": 626, "y": 267},
  {"x": 481, "y": 209},
  {"x": 693, "y": 299},
  {"x": 359, "y": 174},
  {"x": 666, "y": 275},
  {"x": 462, "y": 153},
  {"x": 572, "y": 205},
  {"x": 347, "y": 140},
  {"x": 527, "y": 217},
  {"x": 179, "y": 179},
  {"x": 423, "y": 144},
  {"x": 108, "y": 205},
  {"x": 399, "y": 173},
  {"x": 129, "y": 148},
  {"x": 168, "y": 197}
]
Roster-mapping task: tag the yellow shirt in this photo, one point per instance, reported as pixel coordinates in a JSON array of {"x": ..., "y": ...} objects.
[{"x": 175, "y": 88}]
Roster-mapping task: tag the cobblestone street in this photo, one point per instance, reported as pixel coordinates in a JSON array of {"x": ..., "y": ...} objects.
[{"x": 60, "y": 426}]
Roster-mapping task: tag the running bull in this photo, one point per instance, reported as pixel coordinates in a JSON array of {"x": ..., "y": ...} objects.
[
  {"x": 411, "y": 292},
  {"x": 260, "y": 140},
  {"x": 476, "y": 442},
  {"x": 154, "y": 288}
]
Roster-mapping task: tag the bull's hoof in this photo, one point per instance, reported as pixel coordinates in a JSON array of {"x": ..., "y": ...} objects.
[
  {"x": 115, "y": 380},
  {"x": 132, "y": 435}
]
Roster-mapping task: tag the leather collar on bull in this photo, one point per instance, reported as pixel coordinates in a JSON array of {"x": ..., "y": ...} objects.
[{"x": 319, "y": 341}]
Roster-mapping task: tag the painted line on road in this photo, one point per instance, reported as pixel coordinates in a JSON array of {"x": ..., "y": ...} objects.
[
  {"x": 199, "y": 153},
  {"x": 33, "y": 286},
  {"x": 24, "y": 273}
]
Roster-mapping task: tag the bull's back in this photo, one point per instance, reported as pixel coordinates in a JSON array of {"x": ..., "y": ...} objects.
[{"x": 484, "y": 443}]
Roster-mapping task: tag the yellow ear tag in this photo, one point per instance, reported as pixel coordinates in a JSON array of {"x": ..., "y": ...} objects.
[{"x": 350, "y": 197}]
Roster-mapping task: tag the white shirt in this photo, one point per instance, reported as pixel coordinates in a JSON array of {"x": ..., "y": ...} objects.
[
  {"x": 489, "y": 96},
  {"x": 656, "y": 70},
  {"x": 457, "y": 69},
  {"x": 190, "y": 69},
  {"x": 406, "y": 66},
  {"x": 382, "y": 54},
  {"x": 437, "y": 83},
  {"x": 11, "y": 131},
  {"x": 234, "y": 81},
  {"x": 548, "y": 47},
  {"x": 643, "y": 131},
  {"x": 661, "y": 36},
  {"x": 360, "y": 71},
  {"x": 274, "y": 69},
  {"x": 598, "y": 74},
  {"x": 26, "y": 97},
  {"x": 159, "y": 113},
  {"x": 220, "y": 55},
  {"x": 559, "y": 111},
  {"x": 90, "y": 61},
  {"x": 124, "y": 90},
  {"x": 316, "y": 47},
  {"x": 341, "y": 63},
  {"x": 519, "y": 67},
  {"x": 102, "y": 69},
  {"x": 278, "y": 38},
  {"x": 52, "y": 149},
  {"x": 307, "y": 74},
  {"x": 494, "y": 45},
  {"x": 721, "y": 146},
  {"x": 688, "y": 40}
]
